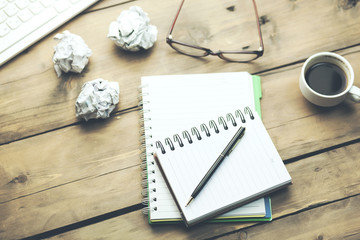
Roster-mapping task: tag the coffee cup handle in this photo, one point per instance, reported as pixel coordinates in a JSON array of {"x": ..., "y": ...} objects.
[{"x": 354, "y": 94}]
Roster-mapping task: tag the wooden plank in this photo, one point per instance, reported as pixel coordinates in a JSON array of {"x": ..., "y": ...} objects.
[
  {"x": 298, "y": 127},
  {"x": 69, "y": 203},
  {"x": 75, "y": 173},
  {"x": 82, "y": 152},
  {"x": 68, "y": 155},
  {"x": 338, "y": 220},
  {"x": 33, "y": 100},
  {"x": 317, "y": 181}
]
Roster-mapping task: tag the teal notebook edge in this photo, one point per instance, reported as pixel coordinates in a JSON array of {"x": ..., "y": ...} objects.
[
  {"x": 268, "y": 211},
  {"x": 266, "y": 218}
]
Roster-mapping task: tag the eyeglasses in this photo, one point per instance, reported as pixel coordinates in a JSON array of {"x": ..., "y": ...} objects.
[{"x": 231, "y": 56}]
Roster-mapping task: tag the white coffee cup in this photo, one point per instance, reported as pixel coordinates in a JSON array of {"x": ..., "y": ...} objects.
[{"x": 328, "y": 100}]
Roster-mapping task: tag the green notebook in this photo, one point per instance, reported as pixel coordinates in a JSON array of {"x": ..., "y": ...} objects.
[{"x": 172, "y": 103}]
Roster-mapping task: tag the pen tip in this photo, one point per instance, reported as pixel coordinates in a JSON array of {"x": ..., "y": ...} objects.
[{"x": 187, "y": 204}]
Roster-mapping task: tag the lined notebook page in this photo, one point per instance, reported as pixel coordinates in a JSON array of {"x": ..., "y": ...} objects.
[
  {"x": 253, "y": 169},
  {"x": 177, "y": 102},
  {"x": 183, "y": 100}
]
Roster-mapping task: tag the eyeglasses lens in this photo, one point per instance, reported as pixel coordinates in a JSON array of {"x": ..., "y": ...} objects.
[
  {"x": 238, "y": 57},
  {"x": 188, "y": 50}
]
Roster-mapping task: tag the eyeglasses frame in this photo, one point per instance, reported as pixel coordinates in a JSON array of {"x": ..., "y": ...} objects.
[{"x": 207, "y": 51}]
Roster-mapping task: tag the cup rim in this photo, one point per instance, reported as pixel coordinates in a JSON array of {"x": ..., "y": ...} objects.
[{"x": 335, "y": 55}]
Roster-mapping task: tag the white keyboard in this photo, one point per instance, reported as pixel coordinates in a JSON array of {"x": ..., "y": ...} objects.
[{"x": 23, "y": 22}]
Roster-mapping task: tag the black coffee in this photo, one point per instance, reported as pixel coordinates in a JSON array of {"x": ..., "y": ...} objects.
[{"x": 326, "y": 78}]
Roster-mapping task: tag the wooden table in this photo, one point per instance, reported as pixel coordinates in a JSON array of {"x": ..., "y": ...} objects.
[{"x": 64, "y": 178}]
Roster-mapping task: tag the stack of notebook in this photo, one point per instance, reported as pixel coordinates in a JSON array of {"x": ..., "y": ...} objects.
[{"x": 187, "y": 120}]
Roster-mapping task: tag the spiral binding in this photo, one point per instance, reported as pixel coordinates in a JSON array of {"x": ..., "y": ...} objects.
[
  {"x": 147, "y": 162},
  {"x": 178, "y": 140},
  {"x": 195, "y": 133}
]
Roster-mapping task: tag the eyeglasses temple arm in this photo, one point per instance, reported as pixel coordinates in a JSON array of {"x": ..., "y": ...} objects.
[
  {"x": 258, "y": 25},
  {"x": 173, "y": 24}
]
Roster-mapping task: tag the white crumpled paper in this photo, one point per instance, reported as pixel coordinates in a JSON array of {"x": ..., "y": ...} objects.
[
  {"x": 132, "y": 31},
  {"x": 71, "y": 53},
  {"x": 97, "y": 99}
]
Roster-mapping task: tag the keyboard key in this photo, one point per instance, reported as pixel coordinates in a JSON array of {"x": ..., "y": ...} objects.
[
  {"x": 36, "y": 8},
  {"x": 22, "y": 3},
  {"x": 25, "y": 15},
  {"x": 3, "y": 17},
  {"x": 47, "y": 3},
  {"x": 3, "y": 3},
  {"x": 13, "y": 22},
  {"x": 27, "y": 28},
  {"x": 4, "y": 29},
  {"x": 11, "y": 10},
  {"x": 61, "y": 6}
]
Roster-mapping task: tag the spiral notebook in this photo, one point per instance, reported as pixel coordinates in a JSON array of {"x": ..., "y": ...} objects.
[
  {"x": 252, "y": 170},
  {"x": 172, "y": 103}
]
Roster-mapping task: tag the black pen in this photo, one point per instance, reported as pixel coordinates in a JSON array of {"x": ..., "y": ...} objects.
[{"x": 228, "y": 149}]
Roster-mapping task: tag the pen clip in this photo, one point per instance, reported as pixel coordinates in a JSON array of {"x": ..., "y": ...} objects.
[{"x": 236, "y": 143}]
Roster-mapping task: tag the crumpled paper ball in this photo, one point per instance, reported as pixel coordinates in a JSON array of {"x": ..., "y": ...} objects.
[
  {"x": 132, "y": 31},
  {"x": 97, "y": 99},
  {"x": 71, "y": 53}
]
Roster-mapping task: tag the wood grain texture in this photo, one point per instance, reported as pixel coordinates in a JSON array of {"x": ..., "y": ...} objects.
[
  {"x": 67, "y": 176},
  {"x": 64, "y": 158},
  {"x": 57, "y": 170},
  {"x": 318, "y": 181},
  {"x": 69, "y": 155},
  {"x": 68, "y": 204},
  {"x": 34, "y": 100},
  {"x": 338, "y": 220}
]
